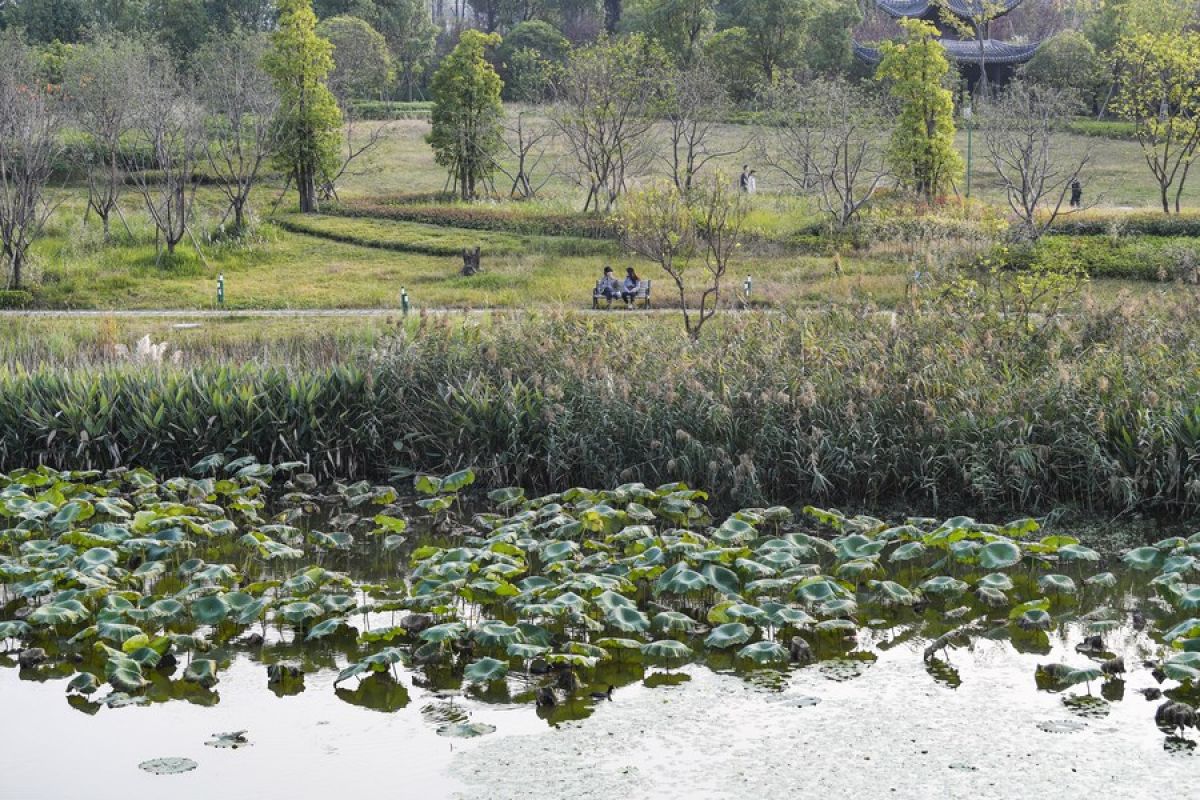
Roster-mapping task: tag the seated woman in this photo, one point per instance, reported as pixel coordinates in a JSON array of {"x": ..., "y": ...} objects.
[
  {"x": 608, "y": 287},
  {"x": 630, "y": 286}
]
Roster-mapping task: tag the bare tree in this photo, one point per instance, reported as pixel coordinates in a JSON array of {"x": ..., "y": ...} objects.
[
  {"x": 696, "y": 104},
  {"x": 165, "y": 147},
  {"x": 101, "y": 81},
  {"x": 29, "y": 143},
  {"x": 529, "y": 144},
  {"x": 1036, "y": 168},
  {"x": 824, "y": 136},
  {"x": 240, "y": 104},
  {"x": 358, "y": 139},
  {"x": 686, "y": 234},
  {"x": 607, "y": 102}
]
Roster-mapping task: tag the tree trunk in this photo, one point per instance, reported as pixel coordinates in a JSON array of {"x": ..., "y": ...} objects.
[
  {"x": 306, "y": 184},
  {"x": 18, "y": 260},
  {"x": 612, "y": 15}
]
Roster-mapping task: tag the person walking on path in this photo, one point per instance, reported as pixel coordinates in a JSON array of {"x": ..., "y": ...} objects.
[
  {"x": 744, "y": 178},
  {"x": 1076, "y": 193},
  {"x": 751, "y": 183}
]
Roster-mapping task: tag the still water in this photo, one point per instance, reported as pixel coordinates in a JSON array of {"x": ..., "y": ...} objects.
[{"x": 881, "y": 723}]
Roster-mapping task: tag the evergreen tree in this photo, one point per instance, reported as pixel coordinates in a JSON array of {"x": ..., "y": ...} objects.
[
  {"x": 922, "y": 151},
  {"x": 309, "y": 121},
  {"x": 467, "y": 113}
]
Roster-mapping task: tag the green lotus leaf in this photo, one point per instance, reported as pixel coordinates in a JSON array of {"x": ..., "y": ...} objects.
[
  {"x": 1077, "y": 552},
  {"x": 858, "y": 568},
  {"x": 610, "y": 643},
  {"x": 299, "y": 612},
  {"x": 446, "y": 632},
  {"x": 722, "y": 579},
  {"x": 744, "y": 612},
  {"x": 14, "y": 629},
  {"x": 84, "y": 683},
  {"x": 1040, "y": 604},
  {"x": 376, "y": 662},
  {"x": 1181, "y": 564},
  {"x": 117, "y": 632},
  {"x": 856, "y": 546},
  {"x": 210, "y": 610},
  {"x": 202, "y": 671},
  {"x": 999, "y": 555},
  {"x": 943, "y": 586},
  {"x": 839, "y": 607},
  {"x": 1056, "y": 584},
  {"x": 570, "y": 601},
  {"x": 996, "y": 580},
  {"x": 1183, "y": 666},
  {"x": 497, "y": 634},
  {"x": 681, "y": 582},
  {"x": 673, "y": 622},
  {"x": 991, "y": 597},
  {"x": 890, "y": 593},
  {"x": 572, "y": 660},
  {"x": 627, "y": 620},
  {"x": 725, "y": 636},
  {"x": 96, "y": 558},
  {"x": 485, "y": 670},
  {"x": 1189, "y": 600},
  {"x": 907, "y": 552},
  {"x": 60, "y": 612},
  {"x": 325, "y": 628},
  {"x": 1144, "y": 559},
  {"x": 1035, "y": 619},
  {"x": 838, "y": 625},
  {"x": 735, "y": 531},
  {"x": 753, "y": 569},
  {"x": 818, "y": 589},
  {"x": 667, "y": 652},
  {"x": 124, "y": 673},
  {"x": 764, "y": 653},
  {"x": 1105, "y": 580},
  {"x": 525, "y": 650},
  {"x": 252, "y": 612}
]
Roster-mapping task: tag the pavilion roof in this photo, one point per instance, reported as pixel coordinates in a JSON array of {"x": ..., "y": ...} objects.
[
  {"x": 966, "y": 51},
  {"x": 927, "y": 9}
]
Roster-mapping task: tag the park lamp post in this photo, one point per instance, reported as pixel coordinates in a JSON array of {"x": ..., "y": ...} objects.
[
  {"x": 404, "y": 304},
  {"x": 221, "y": 290},
  {"x": 968, "y": 113},
  {"x": 747, "y": 285}
]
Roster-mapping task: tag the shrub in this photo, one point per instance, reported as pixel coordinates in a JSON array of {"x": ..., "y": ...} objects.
[
  {"x": 1145, "y": 223},
  {"x": 391, "y": 109},
  {"x": 14, "y": 298},
  {"x": 480, "y": 217},
  {"x": 1139, "y": 258}
]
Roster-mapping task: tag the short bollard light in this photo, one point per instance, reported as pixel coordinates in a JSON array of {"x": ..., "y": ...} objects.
[
  {"x": 404, "y": 304},
  {"x": 221, "y": 290},
  {"x": 747, "y": 285}
]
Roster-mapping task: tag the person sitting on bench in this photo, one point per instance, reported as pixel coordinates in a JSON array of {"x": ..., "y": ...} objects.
[
  {"x": 630, "y": 286},
  {"x": 609, "y": 288}
]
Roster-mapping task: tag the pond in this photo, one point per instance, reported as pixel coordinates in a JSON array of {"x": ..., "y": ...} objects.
[{"x": 347, "y": 638}]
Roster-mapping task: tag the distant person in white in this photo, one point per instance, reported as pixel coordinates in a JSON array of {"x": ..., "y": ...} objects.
[{"x": 751, "y": 183}]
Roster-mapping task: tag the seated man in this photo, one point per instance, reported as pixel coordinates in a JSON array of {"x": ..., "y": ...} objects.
[{"x": 608, "y": 287}]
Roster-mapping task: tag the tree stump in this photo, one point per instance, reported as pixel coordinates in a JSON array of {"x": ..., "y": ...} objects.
[{"x": 470, "y": 261}]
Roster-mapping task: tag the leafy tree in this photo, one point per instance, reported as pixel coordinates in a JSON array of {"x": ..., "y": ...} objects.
[
  {"x": 50, "y": 20},
  {"x": 530, "y": 60},
  {"x": 362, "y": 64},
  {"x": 1159, "y": 78},
  {"x": 680, "y": 26},
  {"x": 775, "y": 31},
  {"x": 921, "y": 152},
  {"x": 308, "y": 120},
  {"x": 828, "y": 47},
  {"x": 467, "y": 113},
  {"x": 732, "y": 49},
  {"x": 1067, "y": 62},
  {"x": 695, "y": 104},
  {"x": 411, "y": 35},
  {"x": 29, "y": 144},
  {"x": 181, "y": 25}
]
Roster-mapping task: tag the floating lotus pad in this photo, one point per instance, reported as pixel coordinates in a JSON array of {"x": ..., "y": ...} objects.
[{"x": 168, "y": 766}]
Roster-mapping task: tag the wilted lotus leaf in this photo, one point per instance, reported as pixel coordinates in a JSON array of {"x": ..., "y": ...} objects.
[
  {"x": 465, "y": 730},
  {"x": 202, "y": 671},
  {"x": 84, "y": 683},
  {"x": 167, "y": 766},
  {"x": 1104, "y": 580},
  {"x": 231, "y": 740}
]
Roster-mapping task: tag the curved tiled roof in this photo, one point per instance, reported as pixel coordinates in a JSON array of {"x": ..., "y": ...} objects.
[
  {"x": 966, "y": 51},
  {"x": 929, "y": 10}
]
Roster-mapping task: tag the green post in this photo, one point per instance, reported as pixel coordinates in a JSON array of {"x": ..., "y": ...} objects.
[
  {"x": 404, "y": 304},
  {"x": 967, "y": 114},
  {"x": 221, "y": 290}
]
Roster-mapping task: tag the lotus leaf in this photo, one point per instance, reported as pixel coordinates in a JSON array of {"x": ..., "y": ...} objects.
[
  {"x": 674, "y": 622},
  {"x": 890, "y": 593},
  {"x": 485, "y": 670},
  {"x": 465, "y": 730},
  {"x": 1077, "y": 552},
  {"x": 764, "y": 653},
  {"x": 840, "y": 607},
  {"x": 680, "y": 582},
  {"x": 167, "y": 766},
  {"x": 210, "y": 610},
  {"x": 1144, "y": 559},
  {"x": 667, "y": 652},
  {"x": 60, "y": 612},
  {"x": 377, "y": 662},
  {"x": 124, "y": 673},
  {"x": 627, "y": 620},
  {"x": 446, "y": 632},
  {"x": 728, "y": 635},
  {"x": 1056, "y": 584},
  {"x": 999, "y": 554},
  {"x": 202, "y": 671},
  {"x": 943, "y": 586},
  {"x": 299, "y": 612},
  {"x": 325, "y": 628}
]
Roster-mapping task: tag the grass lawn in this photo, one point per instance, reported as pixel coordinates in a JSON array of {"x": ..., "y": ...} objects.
[{"x": 322, "y": 261}]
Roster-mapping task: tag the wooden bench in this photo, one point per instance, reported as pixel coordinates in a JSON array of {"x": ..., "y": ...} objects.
[{"x": 640, "y": 295}]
